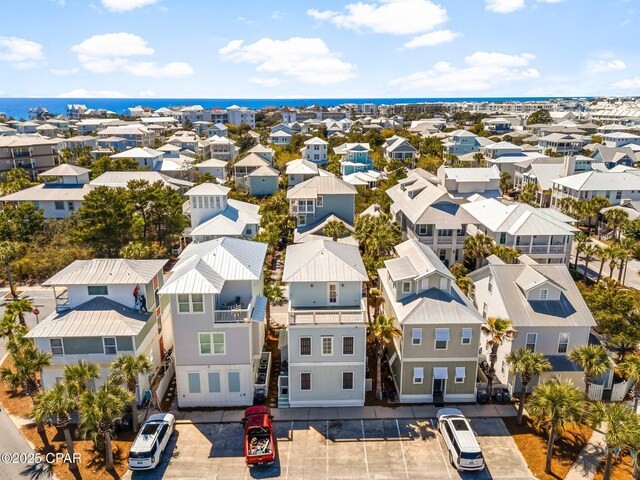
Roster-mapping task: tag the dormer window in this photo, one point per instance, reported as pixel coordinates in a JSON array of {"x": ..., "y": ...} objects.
[
  {"x": 406, "y": 287},
  {"x": 544, "y": 293}
]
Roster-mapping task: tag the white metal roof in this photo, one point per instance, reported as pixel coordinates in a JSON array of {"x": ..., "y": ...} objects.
[
  {"x": 107, "y": 271},
  {"x": 322, "y": 261}
]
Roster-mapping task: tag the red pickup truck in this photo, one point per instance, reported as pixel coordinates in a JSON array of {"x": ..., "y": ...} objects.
[{"x": 259, "y": 448}]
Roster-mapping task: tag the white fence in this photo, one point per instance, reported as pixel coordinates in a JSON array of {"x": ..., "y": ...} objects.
[
  {"x": 595, "y": 392},
  {"x": 162, "y": 386},
  {"x": 620, "y": 390}
]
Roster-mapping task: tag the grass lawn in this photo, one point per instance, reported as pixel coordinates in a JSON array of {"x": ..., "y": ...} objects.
[{"x": 533, "y": 446}]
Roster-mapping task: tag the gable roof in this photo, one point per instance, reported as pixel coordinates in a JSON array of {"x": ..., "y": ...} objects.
[
  {"x": 423, "y": 259},
  {"x": 321, "y": 185},
  {"x": 602, "y": 181},
  {"x": 64, "y": 170},
  {"x": 251, "y": 160},
  {"x": 301, "y": 166},
  {"x": 107, "y": 271},
  {"x": 208, "y": 188},
  {"x": 138, "y": 152},
  {"x": 322, "y": 260}
]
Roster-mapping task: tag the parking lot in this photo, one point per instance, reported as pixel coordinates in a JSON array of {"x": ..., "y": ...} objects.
[{"x": 338, "y": 449}]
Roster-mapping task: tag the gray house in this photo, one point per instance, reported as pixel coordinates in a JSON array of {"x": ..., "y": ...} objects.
[
  {"x": 96, "y": 318},
  {"x": 436, "y": 358},
  {"x": 215, "y": 293},
  {"x": 325, "y": 341},
  {"x": 313, "y": 200},
  {"x": 544, "y": 306}
]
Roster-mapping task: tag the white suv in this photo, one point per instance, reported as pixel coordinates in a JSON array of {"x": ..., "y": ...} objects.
[
  {"x": 151, "y": 441},
  {"x": 464, "y": 450}
]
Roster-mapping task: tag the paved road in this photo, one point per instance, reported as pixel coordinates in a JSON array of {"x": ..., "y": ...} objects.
[{"x": 632, "y": 278}]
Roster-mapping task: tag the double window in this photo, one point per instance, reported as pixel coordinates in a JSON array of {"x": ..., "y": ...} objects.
[
  {"x": 212, "y": 343},
  {"x": 190, "y": 303}
]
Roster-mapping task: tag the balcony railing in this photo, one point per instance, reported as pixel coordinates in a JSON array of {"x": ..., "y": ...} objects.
[
  {"x": 332, "y": 315},
  {"x": 232, "y": 315}
]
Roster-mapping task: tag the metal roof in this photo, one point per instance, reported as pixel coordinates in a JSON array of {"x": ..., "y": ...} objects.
[
  {"x": 322, "y": 261},
  {"x": 121, "y": 179},
  {"x": 423, "y": 258},
  {"x": 321, "y": 186},
  {"x": 401, "y": 269},
  {"x": 208, "y": 189},
  {"x": 64, "y": 170},
  {"x": 107, "y": 271},
  {"x": 50, "y": 192},
  {"x": 193, "y": 276},
  {"x": 99, "y": 317}
]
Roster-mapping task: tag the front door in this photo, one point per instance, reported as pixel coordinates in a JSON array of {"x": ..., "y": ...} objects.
[{"x": 439, "y": 385}]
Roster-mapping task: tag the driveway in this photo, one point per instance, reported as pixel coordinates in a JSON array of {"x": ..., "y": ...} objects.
[{"x": 340, "y": 449}]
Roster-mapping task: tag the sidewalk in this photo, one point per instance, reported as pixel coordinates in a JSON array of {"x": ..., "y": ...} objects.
[
  {"x": 590, "y": 458},
  {"x": 343, "y": 413}
]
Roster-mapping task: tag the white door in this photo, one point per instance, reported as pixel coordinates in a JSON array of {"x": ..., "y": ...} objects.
[{"x": 332, "y": 292}]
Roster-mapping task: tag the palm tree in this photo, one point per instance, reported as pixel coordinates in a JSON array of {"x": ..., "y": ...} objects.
[
  {"x": 616, "y": 218},
  {"x": 498, "y": 331},
  {"x": 614, "y": 256},
  {"x": 630, "y": 368},
  {"x": 590, "y": 252},
  {"x": 335, "y": 229},
  {"x": 554, "y": 405},
  {"x": 374, "y": 300},
  {"x": 9, "y": 253},
  {"x": 80, "y": 374},
  {"x": 623, "y": 425},
  {"x": 9, "y": 329},
  {"x": 381, "y": 332},
  {"x": 17, "y": 308},
  {"x": 593, "y": 360},
  {"x": 97, "y": 411},
  {"x": 581, "y": 240},
  {"x": 603, "y": 255},
  {"x": 273, "y": 293},
  {"x": 627, "y": 246},
  {"x": 477, "y": 247},
  {"x": 505, "y": 253},
  {"x": 594, "y": 205},
  {"x": 28, "y": 362},
  {"x": 527, "y": 364},
  {"x": 566, "y": 205},
  {"x": 127, "y": 369},
  {"x": 59, "y": 402}
]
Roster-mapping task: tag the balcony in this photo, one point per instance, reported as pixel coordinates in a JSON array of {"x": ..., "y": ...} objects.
[
  {"x": 327, "y": 315},
  {"x": 444, "y": 240},
  {"x": 236, "y": 313}
]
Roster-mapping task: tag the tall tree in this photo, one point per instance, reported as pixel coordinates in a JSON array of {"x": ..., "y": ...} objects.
[
  {"x": 80, "y": 374},
  {"x": 581, "y": 240},
  {"x": 554, "y": 405},
  {"x": 589, "y": 253},
  {"x": 529, "y": 194},
  {"x": 630, "y": 368},
  {"x": 498, "y": 331},
  {"x": 97, "y": 411},
  {"x": 335, "y": 229},
  {"x": 381, "y": 332},
  {"x": 16, "y": 179},
  {"x": 539, "y": 116},
  {"x": 594, "y": 361},
  {"x": 28, "y": 362},
  {"x": 10, "y": 252},
  {"x": 616, "y": 219},
  {"x": 127, "y": 369},
  {"x": 105, "y": 220},
  {"x": 477, "y": 247},
  {"x": 17, "y": 308},
  {"x": 505, "y": 253},
  {"x": 526, "y": 364}
]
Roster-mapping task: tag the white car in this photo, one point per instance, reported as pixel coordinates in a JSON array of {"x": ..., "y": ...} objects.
[
  {"x": 464, "y": 450},
  {"x": 151, "y": 441}
]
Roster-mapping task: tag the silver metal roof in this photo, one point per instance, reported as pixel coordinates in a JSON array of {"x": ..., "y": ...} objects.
[
  {"x": 322, "y": 261},
  {"x": 107, "y": 271}
]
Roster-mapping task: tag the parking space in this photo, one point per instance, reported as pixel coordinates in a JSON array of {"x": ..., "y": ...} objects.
[{"x": 337, "y": 449}]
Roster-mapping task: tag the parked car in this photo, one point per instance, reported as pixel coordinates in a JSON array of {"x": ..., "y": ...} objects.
[
  {"x": 151, "y": 441},
  {"x": 464, "y": 450},
  {"x": 259, "y": 448}
]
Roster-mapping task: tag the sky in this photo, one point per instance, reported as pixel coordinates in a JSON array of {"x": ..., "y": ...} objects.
[{"x": 319, "y": 49}]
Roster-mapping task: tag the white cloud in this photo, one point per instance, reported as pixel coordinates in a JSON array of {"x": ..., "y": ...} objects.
[
  {"x": 266, "y": 82},
  {"x": 61, "y": 72},
  {"x": 395, "y": 17},
  {"x": 21, "y": 53},
  {"x": 628, "y": 84},
  {"x": 504, "y": 6},
  {"x": 277, "y": 15},
  {"x": 432, "y": 38},
  {"x": 550, "y": 1},
  {"x": 84, "y": 93},
  {"x": 308, "y": 60},
  {"x": 125, "y": 5},
  {"x": 108, "y": 53},
  {"x": 147, "y": 93},
  {"x": 602, "y": 66},
  {"x": 483, "y": 71}
]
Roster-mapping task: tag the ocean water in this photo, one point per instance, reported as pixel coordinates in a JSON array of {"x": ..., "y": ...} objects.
[{"x": 19, "y": 107}]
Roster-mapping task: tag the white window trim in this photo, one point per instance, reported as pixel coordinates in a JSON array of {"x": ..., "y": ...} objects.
[
  {"x": 462, "y": 337},
  {"x": 310, "y": 381},
  {"x": 413, "y": 336},
  {"x": 61, "y": 346},
  {"x": 354, "y": 345},
  {"x": 546, "y": 293},
  {"x": 189, "y": 383},
  {"x": 535, "y": 342},
  {"x": 190, "y": 295},
  {"x": 104, "y": 345},
  {"x": 319, "y": 201},
  {"x": 322, "y": 339},
  {"x": 435, "y": 340},
  {"x": 97, "y": 294},
  {"x": 211, "y": 342},
  {"x": 415, "y": 378},
  {"x": 463, "y": 378},
  {"x": 408, "y": 290},
  {"x": 353, "y": 380},
  {"x": 310, "y": 346},
  {"x": 568, "y": 334},
  {"x": 329, "y": 302}
]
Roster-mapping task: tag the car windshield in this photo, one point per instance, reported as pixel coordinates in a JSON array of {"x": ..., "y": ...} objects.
[
  {"x": 140, "y": 454},
  {"x": 471, "y": 455},
  {"x": 149, "y": 428},
  {"x": 460, "y": 425}
]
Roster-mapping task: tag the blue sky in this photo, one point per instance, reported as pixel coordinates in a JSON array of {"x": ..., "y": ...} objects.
[{"x": 330, "y": 48}]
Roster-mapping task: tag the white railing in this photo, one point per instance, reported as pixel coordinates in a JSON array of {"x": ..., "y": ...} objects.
[
  {"x": 232, "y": 315},
  {"x": 339, "y": 315}
]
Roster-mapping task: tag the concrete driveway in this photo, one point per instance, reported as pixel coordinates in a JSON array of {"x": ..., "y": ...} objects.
[{"x": 339, "y": 449}]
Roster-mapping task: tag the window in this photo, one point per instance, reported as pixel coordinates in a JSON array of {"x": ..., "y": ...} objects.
[
  {"x": 563, "y": 342},
  {"x": 406, "y": 287},
  {"x": 327, "y": 345},
  {"x": 461, "y": 373},
  {"x": 544, "y": 293},
  {"x": 484, "y": 310},
  {"x": 467, "y": 335},
  {"x": 422, "y": 229},
  {"x": 490, "y": 286},
  {"x": 234, "y": 382},
  {"x": 618, "y": 195},
  {"x": 214, "y": 382},
  {"x": 58, "y": 205},
  {"x": 333, "y": 293},
  {"x": 531, "y": 341},
  {"x": 110, "y": 347},
  {"x": 442, "y": 338},
  {"x": 248, "y": 230},
  {"x": 56, "y": 346},
  {"x": 503, "y": 238},
  {"x": 319, "y": 201},
  {"x": 305, "y": 381},
  {"x": 416, "y": 336},
  {"x": 418, "y": 375},
  {"x": 302, "y": 220},
  {"x": 347, "y": 346},
  {"x": 194, "y": 382},
  {"x": 305, "y": 345},
  {"x": 193, "y": 303},
  {"x": 97, "y": 290},
  {"x": 347, "y": 380}
]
